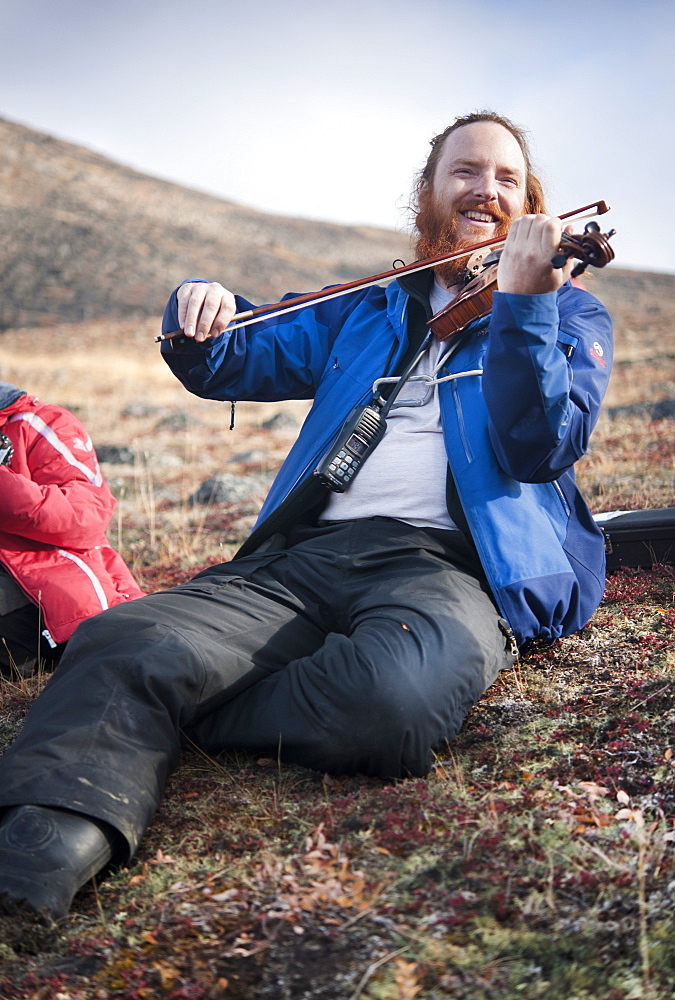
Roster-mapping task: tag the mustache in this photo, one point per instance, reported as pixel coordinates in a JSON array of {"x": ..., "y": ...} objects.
[
  {"x": 488, "y": 207},
  {"x": 437, "y": 226}
]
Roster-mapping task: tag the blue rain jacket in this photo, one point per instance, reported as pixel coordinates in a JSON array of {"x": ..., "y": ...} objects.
[{"x": 512, "y": 434}]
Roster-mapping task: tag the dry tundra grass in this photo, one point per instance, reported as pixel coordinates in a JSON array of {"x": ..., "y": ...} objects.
[{"x": 535, "y": 861}]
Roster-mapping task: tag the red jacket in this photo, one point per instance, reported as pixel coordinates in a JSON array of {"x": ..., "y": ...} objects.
[{"x": 54, "y": 509}]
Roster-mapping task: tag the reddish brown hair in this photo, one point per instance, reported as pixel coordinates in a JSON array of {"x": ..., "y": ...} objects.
[{"x": 534, "y": 193}]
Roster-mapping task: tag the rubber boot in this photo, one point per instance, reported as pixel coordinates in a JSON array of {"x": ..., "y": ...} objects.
[{"x": 46, "y": 855}]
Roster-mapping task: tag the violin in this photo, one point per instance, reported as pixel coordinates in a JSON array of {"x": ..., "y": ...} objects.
[
  {"x": 475, "y": 299},
  {"x": 592, "y": 247}
]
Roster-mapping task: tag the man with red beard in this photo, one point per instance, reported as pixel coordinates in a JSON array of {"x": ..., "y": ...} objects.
[
  {"x": 477, "y": 180},
  {"x": 366, "y": 613}
]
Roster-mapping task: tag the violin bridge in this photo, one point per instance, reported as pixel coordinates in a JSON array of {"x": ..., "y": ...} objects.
[
  {"x": 475, "y": 262},
  {"x": 478, "y": 261}
]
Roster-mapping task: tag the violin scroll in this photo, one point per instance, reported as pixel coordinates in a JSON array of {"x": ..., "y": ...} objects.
[{"x": 592, "y": 247}]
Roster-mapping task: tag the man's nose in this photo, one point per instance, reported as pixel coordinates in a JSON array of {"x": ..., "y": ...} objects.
[{"x": 485, "y": 186}]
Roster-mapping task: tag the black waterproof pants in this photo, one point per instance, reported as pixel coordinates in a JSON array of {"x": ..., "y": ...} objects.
[{"x": 352, "y": 647}]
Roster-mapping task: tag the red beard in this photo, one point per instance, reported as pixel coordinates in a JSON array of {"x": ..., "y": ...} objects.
[{"x": 438, "y": 235}]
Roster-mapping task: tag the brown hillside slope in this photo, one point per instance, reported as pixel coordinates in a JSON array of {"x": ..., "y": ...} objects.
[{"x": 86, "y": 238}]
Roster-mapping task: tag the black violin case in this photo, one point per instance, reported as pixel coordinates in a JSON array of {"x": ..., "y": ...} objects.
[{"x": 638, "y": 537}]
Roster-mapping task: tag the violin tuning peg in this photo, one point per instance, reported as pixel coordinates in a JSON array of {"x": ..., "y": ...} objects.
[{"x": 559, "y": 260}]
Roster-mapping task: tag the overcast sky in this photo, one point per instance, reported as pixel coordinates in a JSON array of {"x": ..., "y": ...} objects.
[{"x": 325, "y": 109}]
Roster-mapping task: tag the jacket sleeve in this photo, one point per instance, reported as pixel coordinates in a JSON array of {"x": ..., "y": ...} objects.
[
  {"x": 271, "y": 360},
  {"x": 546, "y": 370},
  {"x": 63, "y": 500}
]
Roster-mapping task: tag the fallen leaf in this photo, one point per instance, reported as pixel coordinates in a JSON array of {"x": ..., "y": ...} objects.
[
  {"x": 162, "y": 859},
  {"x": 226, "y": 896},
  {"x": 631, "y": 814},
  {"x": 407, "y": 976},
  {"x": 593, "y": 790}
]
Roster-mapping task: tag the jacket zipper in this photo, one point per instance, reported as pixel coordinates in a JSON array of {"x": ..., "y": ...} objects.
[
  {"x": 461, "y": 423},
  {"x": 563, "y": 498}
]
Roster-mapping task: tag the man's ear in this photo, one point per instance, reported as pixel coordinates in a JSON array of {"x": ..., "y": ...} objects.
[{"x": 423, "y": 191}]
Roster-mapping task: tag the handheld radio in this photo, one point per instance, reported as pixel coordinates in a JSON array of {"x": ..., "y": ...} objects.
[{"x": 361, "y": 432}]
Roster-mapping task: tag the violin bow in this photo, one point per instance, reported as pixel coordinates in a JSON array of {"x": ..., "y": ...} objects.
[{"x": 249, "y": 316}]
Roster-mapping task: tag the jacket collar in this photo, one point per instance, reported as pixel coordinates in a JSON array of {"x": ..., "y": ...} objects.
[{"x": 418, "y": 287}]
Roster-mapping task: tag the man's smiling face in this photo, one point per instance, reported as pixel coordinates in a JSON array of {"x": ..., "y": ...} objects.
[
  {"x": 479, "y": 181},
  {"x": 477, "y": 190}
]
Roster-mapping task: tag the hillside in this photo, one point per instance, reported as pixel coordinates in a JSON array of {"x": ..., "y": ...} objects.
[{"x": 87, "y": 238}]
